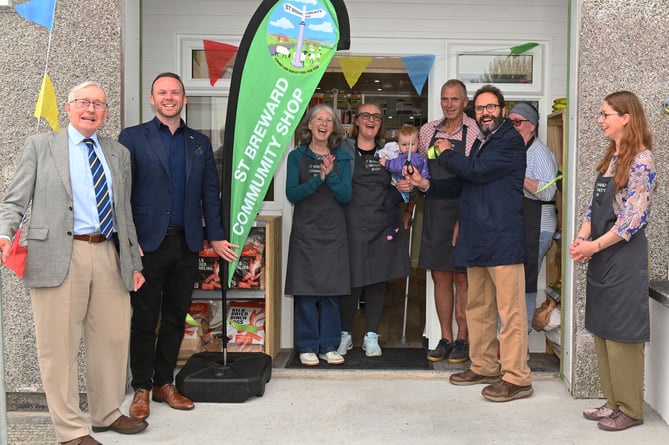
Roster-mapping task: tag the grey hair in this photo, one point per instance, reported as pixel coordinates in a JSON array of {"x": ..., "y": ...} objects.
[
  {"x": 305, "y": 134},
  {"x": 81, "y": 86}
]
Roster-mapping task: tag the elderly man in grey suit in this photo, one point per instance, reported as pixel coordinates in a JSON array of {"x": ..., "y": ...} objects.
[{"x": 80, "y": 264}]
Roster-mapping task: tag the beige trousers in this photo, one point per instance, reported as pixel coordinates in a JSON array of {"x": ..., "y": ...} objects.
[
  {"x": 93, "y": 304},
  {"x": 621, "y": 371},
  {"x": 498, "y": 291}
]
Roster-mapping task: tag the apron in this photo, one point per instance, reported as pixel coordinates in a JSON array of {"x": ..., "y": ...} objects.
[
  {"x": 318, "y": 248},
  {"x": 532, "y": 216},
  {"x": 440, "y": 216},
  {"x": 616, "y": 305},
  {"x": 374, "y": 259}
]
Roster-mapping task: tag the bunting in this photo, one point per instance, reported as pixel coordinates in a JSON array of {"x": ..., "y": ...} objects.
[
  {"x": 353, "y": 67},
  {"x": 47, "y": 105},
  {"x": 38, "y": 11},
  {"x": 516, "y": 50},
  {"x": 282, "y": 57},
  {"x": 418, "y": 68},
  {"x": 218, "y": 57}
]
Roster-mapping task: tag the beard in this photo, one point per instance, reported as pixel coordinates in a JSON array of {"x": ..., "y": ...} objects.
[{"x": 486, "y": 129}]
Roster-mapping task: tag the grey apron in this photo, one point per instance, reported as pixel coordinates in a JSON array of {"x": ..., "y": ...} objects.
[
  {"x": 318, "y": 249},
  {"x": 617, "y": 291},
  {"x": 440, "y": 216},
  {"x": 374, "y": 259}
]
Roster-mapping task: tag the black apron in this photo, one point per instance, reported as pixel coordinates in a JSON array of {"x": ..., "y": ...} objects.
[
  {"x": 440, "y": 215},
  {"x": 617, "y": 291},
  {"x": 318, "y": 249},
  {"x": 532, "y": 216},
  {"x": 374, "y": 259}
]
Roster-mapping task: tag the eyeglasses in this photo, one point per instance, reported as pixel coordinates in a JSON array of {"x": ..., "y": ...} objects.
[
  {"x": 518, "y": 122},
  {"x": 604, "y": 115},
  {"x": 489, "y": 108},
  {"x": 325, "y": 121},
  {"x": 83, "y": 104},
  {"x": 376, "y": 117}
]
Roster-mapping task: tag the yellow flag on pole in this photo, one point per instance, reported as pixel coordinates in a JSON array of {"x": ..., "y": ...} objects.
[{"x": 47, "y": 106}]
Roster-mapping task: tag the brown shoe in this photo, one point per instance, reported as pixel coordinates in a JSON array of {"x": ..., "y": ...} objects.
[
  {"x": 618, "y": 421},
  {"x": 123, "y": 425},
  {"x": 504, "y": 391},
  {"x": 469, "y": 377},
  {"x": 598, "y": 413},
  {"x": 168, "y": 393},
  {"x": 139, "y": 408},
  {"x": 83, "y": 440}
]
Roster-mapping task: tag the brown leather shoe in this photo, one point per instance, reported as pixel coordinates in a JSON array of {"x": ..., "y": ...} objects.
[
  {"x": 168, "y": 393},
  {"x": 123, "y": 425},
  {"x": 83, "y": 440},
  {"x": 469, "y": 377},
  {"x": 139, "y": 408},
  {"x": 504, "y": 391},
  {"x": 599, "y": 413},
  {"x": 618, "y": 421}
]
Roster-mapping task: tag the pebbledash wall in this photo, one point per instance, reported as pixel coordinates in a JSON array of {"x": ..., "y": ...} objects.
[{"x": 613, "y": 46}]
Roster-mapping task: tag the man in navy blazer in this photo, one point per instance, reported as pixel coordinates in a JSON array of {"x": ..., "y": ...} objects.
[
  {"x": 491, "y": 244},
  {"x": 175, "y": 187}
]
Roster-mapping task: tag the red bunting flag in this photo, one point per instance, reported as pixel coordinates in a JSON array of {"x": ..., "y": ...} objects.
[
  {"x": 218, "y": 56},
  {"x": 17, "y": 256}
]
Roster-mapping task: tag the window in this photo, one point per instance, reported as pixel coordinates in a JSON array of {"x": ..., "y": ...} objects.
[
  {"x": 207, "y": 106},
  {"x": 482, "y": 63}
]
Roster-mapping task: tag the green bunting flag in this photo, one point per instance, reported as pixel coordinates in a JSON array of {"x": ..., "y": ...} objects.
[{"x": 285, "y": 51}]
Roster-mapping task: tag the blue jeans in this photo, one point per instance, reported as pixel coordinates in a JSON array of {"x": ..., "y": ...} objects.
[
  {"x": 317, "y": 324},
  {"x": 545, "y": 241}
]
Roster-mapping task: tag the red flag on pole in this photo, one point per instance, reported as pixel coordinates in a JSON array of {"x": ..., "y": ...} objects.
[{"x": 218, "y": 56}]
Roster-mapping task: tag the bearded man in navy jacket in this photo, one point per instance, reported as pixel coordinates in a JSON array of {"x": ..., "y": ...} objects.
[
  {"x": 175, "y": 188},
  {"x": 491, "y": 245}
]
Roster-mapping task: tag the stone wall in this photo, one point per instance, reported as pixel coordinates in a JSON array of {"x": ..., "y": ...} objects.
[
  {"x": 85, "y": 45},
  {"x": 622, "y": 45}
]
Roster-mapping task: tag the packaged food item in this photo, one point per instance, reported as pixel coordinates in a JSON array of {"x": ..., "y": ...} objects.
[
  {"x": 246, "y": 324},
  {"x": 249, "y": 271}
]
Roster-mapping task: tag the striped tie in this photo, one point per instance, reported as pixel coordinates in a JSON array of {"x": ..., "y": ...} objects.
[{"x": 101, "y": 191}]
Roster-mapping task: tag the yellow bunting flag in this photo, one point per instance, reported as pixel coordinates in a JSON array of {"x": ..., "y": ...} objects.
[
  {"x": 353, "y": 67},
  {"x": 47, "y": 106}
]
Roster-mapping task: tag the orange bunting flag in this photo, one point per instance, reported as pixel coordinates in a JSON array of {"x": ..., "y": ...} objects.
[
  {"x": 353, "y": 67},
  {"x": 47, "y": 106},
  {"x": 218, "y": 56}
]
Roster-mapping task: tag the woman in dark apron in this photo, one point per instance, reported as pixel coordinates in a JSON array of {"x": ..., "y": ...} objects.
[
  {"x": 319, "y": 184},
  {"x": 373, "y": 260},
  {"x": 613, "y": 239}
]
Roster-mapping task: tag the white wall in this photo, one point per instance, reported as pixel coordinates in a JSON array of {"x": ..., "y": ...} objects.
[{"x": 381, "y": 27}]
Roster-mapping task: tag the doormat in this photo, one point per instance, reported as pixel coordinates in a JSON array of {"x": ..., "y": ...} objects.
[{"x": 392, "y": 358}]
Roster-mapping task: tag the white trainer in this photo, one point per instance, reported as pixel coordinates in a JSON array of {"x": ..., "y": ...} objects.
[
  {"x": 332, "y": 357},
  {"x": 371, "y": 345},
  {"x": 346, "y": 343},
  {"x": 309, "y": 359}
]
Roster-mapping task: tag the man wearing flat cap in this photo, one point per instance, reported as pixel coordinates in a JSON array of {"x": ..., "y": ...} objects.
[{"x": 539, "y": 189}]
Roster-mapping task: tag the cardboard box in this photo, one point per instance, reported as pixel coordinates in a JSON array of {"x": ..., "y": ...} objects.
[{"x": 193, "y": 339}]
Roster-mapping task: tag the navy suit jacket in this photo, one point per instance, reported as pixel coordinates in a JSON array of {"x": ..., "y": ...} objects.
[
  {"x": 151, "y": 187},
  {"x": 490, "y": 185}
]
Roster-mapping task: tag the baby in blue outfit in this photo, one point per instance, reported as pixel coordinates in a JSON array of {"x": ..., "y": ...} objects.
[{"x": 394, "y": 156}]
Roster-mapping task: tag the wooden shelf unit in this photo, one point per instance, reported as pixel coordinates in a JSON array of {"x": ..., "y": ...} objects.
[{"x": 271, "y": 294}]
